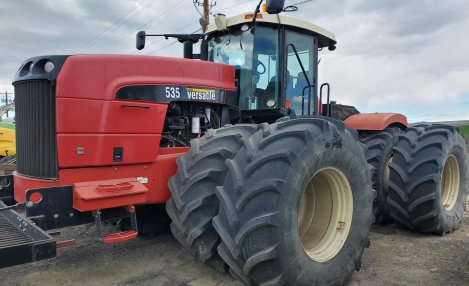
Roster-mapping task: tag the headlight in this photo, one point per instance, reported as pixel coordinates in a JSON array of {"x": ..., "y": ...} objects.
[
  {"x": 271, "y": 103},
  {"x": 49, "y": 66}
]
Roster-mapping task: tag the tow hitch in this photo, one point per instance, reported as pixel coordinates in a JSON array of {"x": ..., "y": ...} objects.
[{"x": 21, "y": 241}]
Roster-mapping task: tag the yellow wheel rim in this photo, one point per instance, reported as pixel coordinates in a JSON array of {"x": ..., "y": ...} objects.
[
  {"x": 450, "y": 183},
  {"x": 325, "y": 214}
]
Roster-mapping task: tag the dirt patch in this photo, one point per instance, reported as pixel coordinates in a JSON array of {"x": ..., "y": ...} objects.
[{"x": 396, "y": 257}]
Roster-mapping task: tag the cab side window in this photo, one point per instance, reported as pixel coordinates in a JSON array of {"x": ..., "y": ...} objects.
[{"x": 297, "y": 89}]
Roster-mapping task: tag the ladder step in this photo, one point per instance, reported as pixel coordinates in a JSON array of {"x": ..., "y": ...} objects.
[
  {"x": 128, "y": 212},
  {"x": 120, "y": 236}
]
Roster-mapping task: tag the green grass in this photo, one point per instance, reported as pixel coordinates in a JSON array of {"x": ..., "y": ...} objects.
[
  {"x": 7, "y": 125},
  {"x": 464, "y": 129}
]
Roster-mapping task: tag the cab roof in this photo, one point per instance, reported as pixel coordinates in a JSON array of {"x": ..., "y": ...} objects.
[{"x": 325, "y": 37}]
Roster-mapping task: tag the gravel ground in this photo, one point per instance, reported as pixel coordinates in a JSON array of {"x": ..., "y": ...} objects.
[{"x": 396, "y": 257}]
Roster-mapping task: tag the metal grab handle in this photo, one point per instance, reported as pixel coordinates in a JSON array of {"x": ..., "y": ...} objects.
[{"x": 328, "y": 110}]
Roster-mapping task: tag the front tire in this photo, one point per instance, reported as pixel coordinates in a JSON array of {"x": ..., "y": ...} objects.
[
  {"x": 282, "y": 174},
  {"x": 193, "y": 202},
  {"x": 428, "y": 181}
]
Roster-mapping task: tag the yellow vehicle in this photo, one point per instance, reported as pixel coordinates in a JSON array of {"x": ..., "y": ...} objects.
[{"x": 7, "y": 141}]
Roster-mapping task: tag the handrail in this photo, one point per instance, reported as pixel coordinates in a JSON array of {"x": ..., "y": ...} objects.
[{"x": 328, "y": 110}]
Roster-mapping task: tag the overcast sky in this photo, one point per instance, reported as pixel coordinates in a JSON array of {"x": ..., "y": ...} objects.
[{"x": 408, "y": 56}]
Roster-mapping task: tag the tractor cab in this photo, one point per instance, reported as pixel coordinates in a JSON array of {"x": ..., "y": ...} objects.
[{"x": 275, "y": 59}]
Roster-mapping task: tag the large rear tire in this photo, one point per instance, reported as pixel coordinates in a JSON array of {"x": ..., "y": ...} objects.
[
  {"x": 428, "y": 180},
  {"x": 296, "y": 205},
  {"x": 193, "y": 202},
  {"x": 380, "y": 153}
]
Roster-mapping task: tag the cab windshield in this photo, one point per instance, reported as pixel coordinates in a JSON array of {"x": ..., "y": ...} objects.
[{"x": 255, "y": 58}]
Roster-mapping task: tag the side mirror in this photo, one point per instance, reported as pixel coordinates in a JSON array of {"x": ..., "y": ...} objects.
[
  {"x": 274, "y": 6},
  {"x": 140, "y": 40}
]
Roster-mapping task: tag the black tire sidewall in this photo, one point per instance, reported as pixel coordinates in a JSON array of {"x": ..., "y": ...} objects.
[
  {"x": 384, "y": 186},
  {"x": 350, "y": 160}
]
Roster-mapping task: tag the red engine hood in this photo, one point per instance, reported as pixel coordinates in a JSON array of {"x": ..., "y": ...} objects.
[{"x": 100, "y": 76}]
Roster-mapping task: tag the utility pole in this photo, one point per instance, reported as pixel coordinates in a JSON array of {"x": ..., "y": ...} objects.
[
  {"x": 6, "y": 94},
  {"x": 206, "y": 15},
  {"x": 206, "y": 7}
]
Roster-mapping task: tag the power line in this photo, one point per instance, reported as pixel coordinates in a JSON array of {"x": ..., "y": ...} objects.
[
  {"x": 190, "y": 24},
  {"x": 302, "y": 2},
  {"x": 96, "y": 38},
  {"x": 175, "y": 32},
  {"x": 196, "y": 4},
  {"x": 145, "y": 25},
  {"x": 120, "y": 22},
  {"x": 205, "y": 4},
  {"x": 199, "y": 3},
  {"x": 226, "y": 8},
  {"x": 164, "y": 47},
  {"x": 170, "y": 44},
  {"x": 159, "y": 16}
]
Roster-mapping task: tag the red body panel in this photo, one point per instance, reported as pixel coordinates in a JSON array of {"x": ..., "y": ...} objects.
[
  {"x": 158, "y": 174},
  {"x": 90, "y": 119},
  {"x": 98, "y": 149},
  {"x": 375, "y": 121},
  {"x": 98, "y": 116}
]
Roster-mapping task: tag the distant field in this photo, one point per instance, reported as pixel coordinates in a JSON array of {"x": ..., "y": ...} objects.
[
  {"x": 8, "y": 125},
  {"x": 464, "y": 129}
]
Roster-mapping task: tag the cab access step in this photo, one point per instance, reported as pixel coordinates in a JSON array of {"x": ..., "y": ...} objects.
[{"x": 21, "y": 241}]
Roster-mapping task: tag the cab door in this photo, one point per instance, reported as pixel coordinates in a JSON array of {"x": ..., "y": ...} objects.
[{"x": 300, "y": 83}]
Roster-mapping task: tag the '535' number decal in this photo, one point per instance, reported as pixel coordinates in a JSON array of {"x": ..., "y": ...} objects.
[{"x": 172, "y": 92}]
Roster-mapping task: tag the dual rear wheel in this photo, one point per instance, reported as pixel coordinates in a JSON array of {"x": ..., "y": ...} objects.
[
  {"x": 420, "y": 177},
  {"x": 429, "y": 179}
]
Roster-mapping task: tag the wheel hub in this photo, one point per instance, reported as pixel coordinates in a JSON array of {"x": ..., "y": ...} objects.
[
  {"x": 325, "y": 214},
  {"x": 450, "y": 183}
]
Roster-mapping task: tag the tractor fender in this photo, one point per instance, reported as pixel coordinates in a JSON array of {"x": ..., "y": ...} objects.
[{"x": 376, "y": 121}]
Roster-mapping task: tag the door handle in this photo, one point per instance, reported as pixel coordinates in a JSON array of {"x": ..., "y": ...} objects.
[{"x": 135, "y": 106}]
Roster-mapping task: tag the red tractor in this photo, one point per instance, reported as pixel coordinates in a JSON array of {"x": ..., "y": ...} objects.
[{"x": 260, "y": 173}]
